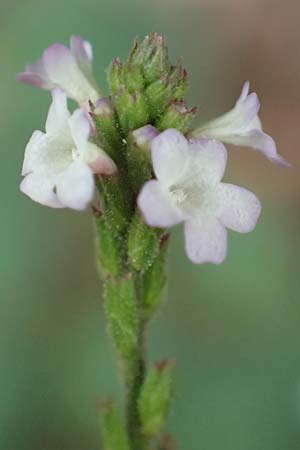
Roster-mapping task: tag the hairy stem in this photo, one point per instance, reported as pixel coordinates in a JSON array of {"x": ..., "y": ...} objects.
[{"x": 135, "y": 380}]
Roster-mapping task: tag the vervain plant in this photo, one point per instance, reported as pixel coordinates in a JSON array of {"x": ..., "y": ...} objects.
[{"x": 134, "y": 158}]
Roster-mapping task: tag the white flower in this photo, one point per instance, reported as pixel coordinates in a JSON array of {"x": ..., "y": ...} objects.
[
  {"x": 59, "y": 164},
  {"x": 242, "y": 126},
  {"x": 67, "y": 68},
  {"x": 189, "y": 189}
]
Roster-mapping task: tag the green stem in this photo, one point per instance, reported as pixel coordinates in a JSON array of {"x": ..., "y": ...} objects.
[{"x": 135, "y": 380}]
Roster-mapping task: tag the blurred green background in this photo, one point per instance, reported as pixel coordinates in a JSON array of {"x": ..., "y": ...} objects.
[{"x": 235, "y": 329}]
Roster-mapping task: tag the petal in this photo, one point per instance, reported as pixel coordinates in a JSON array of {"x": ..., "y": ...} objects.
[
  {"x": 170, "y": 156},
  {"x": 235, "y": 121},
  {"x": 245, "y": 92},
  {"x": 80, "y": 129},
  {"x": 36, "y": 75},
  {"x": 239, "y": 208},
  {"x": 258, "y": 140},
  {"x": 63, "y": 71},
  {"x": 205, "y": 241},
  {"x": 83, "y": 53},
  {"x": 157, "y": 207},
  {"x": 58, "y": 115},
  {"x": 41, "y": 189},
  {"x": 208, "y": 161},
  {"x": 47, "y": 154},
  {"x": 99, "y": 161},
  {"x": 75, "y": 187}
]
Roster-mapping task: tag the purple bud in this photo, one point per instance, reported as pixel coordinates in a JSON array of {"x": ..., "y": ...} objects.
[
  {"x": 103, "y": 107},
  {"x": 143, "y": 137}
]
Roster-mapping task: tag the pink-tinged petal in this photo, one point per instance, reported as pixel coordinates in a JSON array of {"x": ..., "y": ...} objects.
[
  {"x": 80, "y": 129},
  {"x": 99, "y": 162},
  {"x": 239, "y": 208},
  {"x": 58, "y": 115},
  {"x": 235, "y": 121},
  {"x": 75, "y": 187},
  {"x": 36, "y": 75},
  {"x": 41, "y": 189},
  {"x": 34, "y": 79},
  {"x": 63, "y": 70},
  {"x": 205, "y": 241},
  {"x": 209, "y": 159},
  {"x": 258, "y": 140},
  {"x": 156, "y": 206},
  {"x": 170, "y": 156},
  {"x": 83, "y": 53}
]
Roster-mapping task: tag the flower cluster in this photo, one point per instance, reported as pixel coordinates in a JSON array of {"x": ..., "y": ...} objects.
[{"x": 175, "y": 172}]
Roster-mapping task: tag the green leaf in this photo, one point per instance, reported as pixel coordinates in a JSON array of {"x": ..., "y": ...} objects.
[
  {"x": 113, "y": 430},
  {"x": 121, "y": 306},
  {"x": 155, "y": 399}
]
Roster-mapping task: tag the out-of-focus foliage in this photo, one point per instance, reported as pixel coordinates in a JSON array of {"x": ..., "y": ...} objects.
[{"x": 235, "y": 329}]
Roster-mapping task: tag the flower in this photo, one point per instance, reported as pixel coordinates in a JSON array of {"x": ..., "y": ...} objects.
[
  {"x": 241, "y": 126},
  {"x": 67, "y": 68},
  {"x": 59, "y": 164},
  {"x": 188, "y": 189}
]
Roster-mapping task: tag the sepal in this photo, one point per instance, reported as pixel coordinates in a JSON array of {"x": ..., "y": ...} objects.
[
  {"x": 132, "y": 110},
  {"x": 177, "y": 116},
  {"x": 155, "y": 280},
  {"x": 109, "y": 249},
  {"x": 115, "y": 76},
  {"x": 113, "y": 430},
  {"x": 104, "y": 118},
  {"x": 143, "y": 243},
  {"x": 121, "y": 305},
  {"x": 155, "y": 399}
]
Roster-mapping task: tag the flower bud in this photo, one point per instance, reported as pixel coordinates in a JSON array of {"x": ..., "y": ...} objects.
[
  {"x": 132, "y": 110},
  {"x": 152, "y": 56},
  {"x": 115, "y": 76},
  {"x": 133, "y": 78},
  {"x": 103, "y": 108},
  {"x": 142, "y": 137},
  {"x": 177, "y": 116},
  {"x": 178, "y": 81}
]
